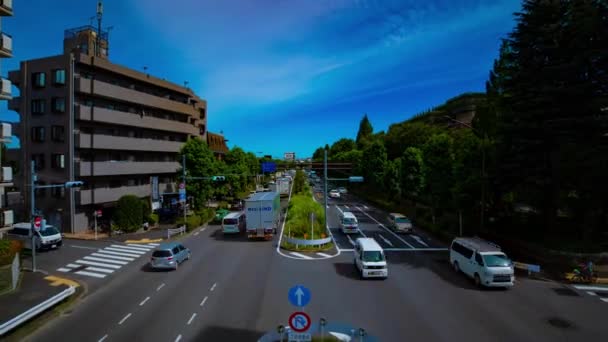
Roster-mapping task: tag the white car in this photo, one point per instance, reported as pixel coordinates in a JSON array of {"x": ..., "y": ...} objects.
[
  {"x": 483, "y": 261},
  {"x": 342, "y": 190},
  {"x": 334, "y": 194}
]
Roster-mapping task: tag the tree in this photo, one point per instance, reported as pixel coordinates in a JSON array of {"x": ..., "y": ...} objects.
[
  {"x": 299, "y": 182},
  {"x": 318, "y": 155},
  {"x": 438, "y": 160},
  {"x": 374, "y": 158},
  {"x": 365, "y": 132},
  {"x": 392, "y": 179},
  {"x": 129, "y": 213},
  {"x": 407, "y": 134},
  {"x": 200, "y": 162},
  {"x": 341, "y": 146},
  {"x": 412, "y": 172}
]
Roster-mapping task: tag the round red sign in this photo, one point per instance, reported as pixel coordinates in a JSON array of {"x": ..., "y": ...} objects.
[
  {"x": 299, "y": 321},
  {"x": 37, "y": 223}
]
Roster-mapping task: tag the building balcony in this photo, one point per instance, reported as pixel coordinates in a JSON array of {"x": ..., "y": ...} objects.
[
  {"x": 104, "y": 115},
  {"x": 6, "y": 8},
  {"x": 14, "y": 103},
  {"x": 5, "y": 89},
  {"x": 115, "y": 168},
  {"x": 107, "y": 90},
  {"x": 111, "y": 142},
  {"x": 6, "y": 45},
  {"x": 104, "y": 195}
]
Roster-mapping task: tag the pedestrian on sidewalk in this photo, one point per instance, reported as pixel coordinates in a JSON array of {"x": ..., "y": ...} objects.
[{"x": 146, "y": 225}]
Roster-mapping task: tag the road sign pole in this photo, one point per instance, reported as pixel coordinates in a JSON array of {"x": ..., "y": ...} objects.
[
  {"x": 184, "y": 180},
  {"x": 33, "y": 211},
  {"x": 95, "y": 220}
]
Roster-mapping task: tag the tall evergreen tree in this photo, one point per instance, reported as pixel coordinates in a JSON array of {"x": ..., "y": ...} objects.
[{"x": 365, "y": 132}]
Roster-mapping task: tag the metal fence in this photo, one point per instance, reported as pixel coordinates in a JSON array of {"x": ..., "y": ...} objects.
[
  {"x": 180, "y": 230},
  {"x": 15, "y": 271}
]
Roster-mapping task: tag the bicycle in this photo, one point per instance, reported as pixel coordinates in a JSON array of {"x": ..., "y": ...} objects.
[{"x": 585, "y": 274}]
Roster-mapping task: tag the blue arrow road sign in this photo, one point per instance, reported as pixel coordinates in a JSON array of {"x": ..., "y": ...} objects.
[{"x": 299, "y": 296}]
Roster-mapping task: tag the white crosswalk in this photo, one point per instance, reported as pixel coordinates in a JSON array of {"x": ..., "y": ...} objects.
[
  {"x": 600, "y": 292},
  {"x": 106, "y": 261}
]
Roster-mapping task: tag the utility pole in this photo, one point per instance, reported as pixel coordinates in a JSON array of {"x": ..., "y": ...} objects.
[
  {"x": 72, "y": 154},
  {"x": 33, "y": 211},
  {"x": 184, "y": 182}
]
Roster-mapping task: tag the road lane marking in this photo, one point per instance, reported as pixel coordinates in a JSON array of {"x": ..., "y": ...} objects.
[
  {"x": 84, "y": 247},
  {"x": 123, "y": 252},
  {"x": 365, "y": 207},
  {"x": 385, "y": 240},
  {"x": 417, "y": 238},
  {"x": 141, "y": 247},
  {"x": 300, "y": 255},
  {"x": 204, "y": 300},
  {"x": 591, "y": 293},
  {"x": 178, "y": 338},
  {"x": 105, "y": 251},
  {"x": 591, "y": 288},
  {"x": 144, "y": 301},
  {"x": 416, "y": 249},
  {"x": 195, "y": 234},
  {"x": 388, "y": 230},
  {"x": 203, "y": 229},
  {"x": 104, "y": 270},
  {"x": 124, "y": 319},
  {"x": 346, "y": 249},
  {"x": 72, "y": 265},
  {"x": 154, "y": 244},
  {"x": 101, "y": 255},
  {"x": 105, "y": 260},
  {"x": 191, "y": 318},
  {"x": 213, "y": 287},
  {"x": 103, "y": 338},
  {"x": 63, "y": 269},
  {"x": 85, "y": 262},
  {"x": 345, "y": 206},
  {"x": 350, "y": 240},
  {"x": 323, "y": 254},
  {"x": 160, "y": 287},
  {"x": 126, "y": 249},
  {"x": 341, "y": 212},
  {"x": 605, "y": 300},
  {"x": 91, "y": 274}
]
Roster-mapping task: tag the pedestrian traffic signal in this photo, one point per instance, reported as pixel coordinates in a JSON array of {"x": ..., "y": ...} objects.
[{"x": 218, "y": 178}]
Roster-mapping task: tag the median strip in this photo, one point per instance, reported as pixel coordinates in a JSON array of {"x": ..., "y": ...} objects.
[
  {"x": 144, "y": 301},
  {"x": 124, "y": 319}
]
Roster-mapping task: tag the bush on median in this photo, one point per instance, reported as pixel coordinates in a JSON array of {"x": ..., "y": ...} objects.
[
  {"x": 8, "y": 249},
  {"x": 192, "y": 222}
]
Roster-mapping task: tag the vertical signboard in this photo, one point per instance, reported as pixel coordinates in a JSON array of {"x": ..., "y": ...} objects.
[{"x": 155, "y": 192}]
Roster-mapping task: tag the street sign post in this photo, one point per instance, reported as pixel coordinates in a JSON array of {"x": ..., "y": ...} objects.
[
  {"x": 299, "y": 296},
  {"x": 299, "y": 321},
  {"x": 37, "y": 223}
]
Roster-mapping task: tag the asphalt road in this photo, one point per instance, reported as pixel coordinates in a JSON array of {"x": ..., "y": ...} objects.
[{"x": 236, "y": 290}]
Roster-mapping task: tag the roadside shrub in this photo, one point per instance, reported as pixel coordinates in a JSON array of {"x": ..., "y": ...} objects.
[
  {"x": 206, "y": 215},
  {"x": 146, "y": 210},
  {"x": 8, "y": 249},
  {"x": 153, "y": 219},
  {"x": 192, "y": 222},
  {"x": 129, "y": 213}
]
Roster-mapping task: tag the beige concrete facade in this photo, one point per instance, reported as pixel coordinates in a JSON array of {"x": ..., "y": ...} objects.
[
  {"x": 6, "y": 181},
  {"x": 128, "y": 127}
]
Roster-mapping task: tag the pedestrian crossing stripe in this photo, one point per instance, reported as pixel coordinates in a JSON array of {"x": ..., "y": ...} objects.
[
  {"x": 126, "y": 249},
  {"x": 105, "y": 260},
  {"x": 97, "y": 269},
  {"x": 106, "y": 251},
  {"x": 86, "y": 262},
  {"x": 100, "y": 254},
  {"x": 91, "y": 274}
]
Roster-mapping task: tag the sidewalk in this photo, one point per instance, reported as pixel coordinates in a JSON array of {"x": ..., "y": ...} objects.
[
  {"x": 151, "y": 235},
  {"x": 33, "y": 290}
]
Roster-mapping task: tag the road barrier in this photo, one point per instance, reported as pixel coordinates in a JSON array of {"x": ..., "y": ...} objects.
[
  {"x": 22, "y": 318},
  {"x": 527, "y": 267},
  {"x": 302, "y": 242},
  {"x": 176, "y": 231}
]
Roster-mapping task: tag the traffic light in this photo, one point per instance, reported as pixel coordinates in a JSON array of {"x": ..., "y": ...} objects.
[
  {"x": 218, "y": 178},
  {"x": 75, "y": 184}
]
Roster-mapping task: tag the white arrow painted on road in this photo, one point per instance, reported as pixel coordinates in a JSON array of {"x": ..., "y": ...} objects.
[
  {"x": 417, "y": 238},
  {"x": 345, "y": 206},
  {"x": 350, "y": 240},
  {"x": 385, "y": 240},
  {"x": 299, "y": 293}
]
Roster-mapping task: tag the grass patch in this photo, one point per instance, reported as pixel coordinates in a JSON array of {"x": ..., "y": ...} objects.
[
  {"x": 291, "y": 247},
  {"x": 26, "y": 329}
]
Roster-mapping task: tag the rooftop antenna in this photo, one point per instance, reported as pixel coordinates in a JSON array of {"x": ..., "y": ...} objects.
[
  {"x": 186, "y": 84},
  {"x": 99, "y": 17}
]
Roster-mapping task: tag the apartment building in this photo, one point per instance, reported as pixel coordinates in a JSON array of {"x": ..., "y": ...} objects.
[
  {"x": 116, "y": 129},
  {"x": 6, "y": 174},
  {"x": 217, "y": 144}
]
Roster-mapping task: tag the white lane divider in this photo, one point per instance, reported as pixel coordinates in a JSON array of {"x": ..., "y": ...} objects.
[
  {"x": 340, "y": 210},
  {"x": 417, "y": 238},
  {"x": 191, "y": 318},
  {"x": 178, "y": 338},
  {"x": 204, "y": 300},
  {"x": 103, "y": 338},
  {"x": 144, "y": 301},
  {"x": 302, "y": 256},
  {"x": 160, "y": 286},
  {"x": 195, "y": 234},
  {"x": 213, "y": 287},
  {"x": 91, "y": 274},
  {"x": 591, "y": 288},
  {"x": 345, "y": 206},
  {"x": 385, "y": 240},
  {"x": 323, "y": 255},
  {"x": 350, "y": 240},
  {"x": 124, "y": 319},
  {"x": 365, "y": 207}
]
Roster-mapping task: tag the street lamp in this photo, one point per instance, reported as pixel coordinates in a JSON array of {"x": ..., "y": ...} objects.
[{"x": 33, "y": 218}]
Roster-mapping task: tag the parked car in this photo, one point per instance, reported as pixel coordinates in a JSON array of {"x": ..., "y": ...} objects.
[
  {"x": 334, "y": 194},
  {"x": 47, "y": 238},
  {"x": 169, "y": 256}
]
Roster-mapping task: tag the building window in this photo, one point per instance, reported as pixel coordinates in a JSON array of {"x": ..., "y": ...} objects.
[
  {"x": 38, "y": 158},
  {"x": 58, "y": 192},
  {"x": 58, "y": 161},
  {"x": 59, "y": 77},
  {"x": 58, "y": 133},
  {"x": 38, "y": 134},
  {"x": 58, "y": 104},
  {"x": 202, "y": 129},
  {"x": 203, "y": 112},
  {"x": 38, "y": 106},
  {"x": 39, "y": 79},
  {"x": 115, "y": 183}
]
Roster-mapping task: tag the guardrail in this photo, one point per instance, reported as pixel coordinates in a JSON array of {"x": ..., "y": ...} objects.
[
  {"x": 302, "y": 242},
  {"x": 176, "y": 231},
  {"x": 22, "y": 318},
  {"x": 527, "y": 267}
]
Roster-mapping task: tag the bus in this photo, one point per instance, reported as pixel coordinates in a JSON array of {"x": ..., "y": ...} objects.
[{"x": 233, "y": 223}]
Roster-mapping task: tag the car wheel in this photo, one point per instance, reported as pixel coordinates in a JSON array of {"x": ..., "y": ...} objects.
[
  {"x": 176, "y": 266},
  {"x": 477, "y": 280},
  {"x": 456, "y": 267},
  {"x": 189, "y": 255}
]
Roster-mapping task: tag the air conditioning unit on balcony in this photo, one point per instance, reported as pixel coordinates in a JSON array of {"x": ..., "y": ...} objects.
[
  {"x": 6, "y": 88},
  {"x": 7, "y": 174},
  {"x": 6, "y": 131},
  {"x": 6, "y": 218}
]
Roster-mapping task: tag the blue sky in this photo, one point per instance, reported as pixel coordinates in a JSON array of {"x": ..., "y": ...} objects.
[{"x": 288, "y": 75}]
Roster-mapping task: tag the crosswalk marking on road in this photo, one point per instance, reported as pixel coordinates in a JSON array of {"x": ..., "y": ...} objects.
[
  {"x": 92, "y": 263},
  {"x": 106, "y": 251},
  {"x": 91, "y": 274},
  {"x": 143, "y": 247},
  {"x": 72, "y": 265},
  {"x": 105, "y": 260},
  {"x": 97, "y": 269},
  {"x": 101, "y": 254},
  {"x": 63, "y": 269},
  {"x": 125, "y": 249}
]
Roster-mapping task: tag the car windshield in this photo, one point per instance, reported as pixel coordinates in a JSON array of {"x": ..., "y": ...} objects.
[
  {"x": 373, "y": 256},
  {"x": 496, "y": 260},
  {"x": 161, "y": 254},
  {"x": 402, "y": 220},
  {"x": 48, "y": 231},
  {"x": 230, "y": 221},
  {"x": 349, "y": 220}
]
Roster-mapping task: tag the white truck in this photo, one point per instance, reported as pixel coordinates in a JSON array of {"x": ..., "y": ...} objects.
[
  {"x": 282, "y": 186},
  {"x": 262, "y": 210}
]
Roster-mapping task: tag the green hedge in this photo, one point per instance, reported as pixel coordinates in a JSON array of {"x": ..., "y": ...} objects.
[
  {"x": 8, "y": 249},
  {"x": 129, "y": 214},
  {"x": 298, "y": 223}
]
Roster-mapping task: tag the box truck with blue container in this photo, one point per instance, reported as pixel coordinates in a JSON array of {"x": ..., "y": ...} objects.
[{"x": 262, "y": 210}]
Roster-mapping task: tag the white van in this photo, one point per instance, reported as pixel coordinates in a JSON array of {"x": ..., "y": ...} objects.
[
  {"x": 370, "y": 260},
  {"x": 349, "y": 223},
  {"x": 47, "y": 238},
  {"x": 483, "y": 261},
  {"x": 233, "y": 223},
  {"x": 400, "y": 223}
]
